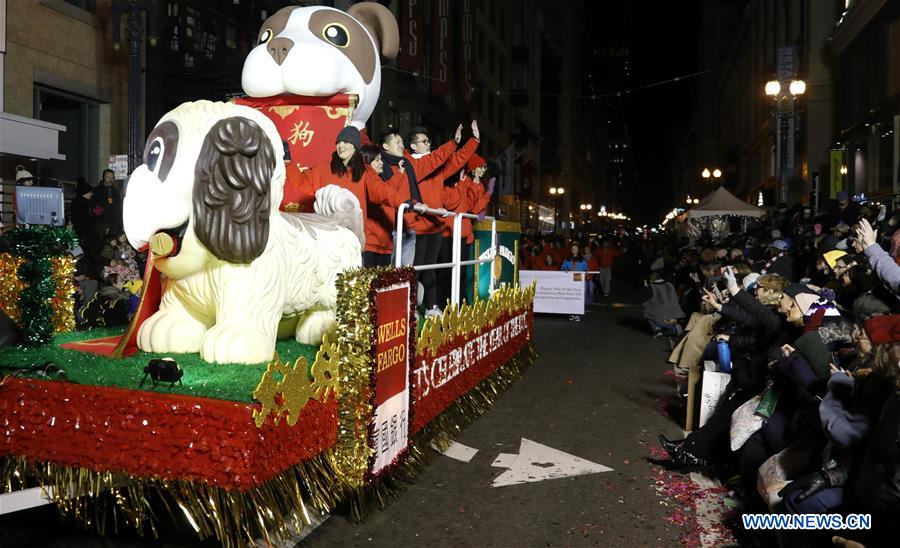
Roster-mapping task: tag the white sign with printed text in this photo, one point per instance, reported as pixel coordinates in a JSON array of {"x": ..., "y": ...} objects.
[{"x": 556, "y": 292}]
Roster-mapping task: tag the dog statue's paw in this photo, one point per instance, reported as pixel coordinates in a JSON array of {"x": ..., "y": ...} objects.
[
  {"x": 227, "y": 343},
  {"x": 313, "y": 326},
  {"x": 170, "y": 331}
]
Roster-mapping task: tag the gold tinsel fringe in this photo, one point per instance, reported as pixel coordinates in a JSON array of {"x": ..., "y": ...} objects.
[
  {"x": 271, "y": 510},
  {"x": 235, "y": 518},
  {"x": 437, "y": 436}
]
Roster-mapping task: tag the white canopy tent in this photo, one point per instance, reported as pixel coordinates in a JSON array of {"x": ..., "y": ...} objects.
[{"x": 722, "y": 202}]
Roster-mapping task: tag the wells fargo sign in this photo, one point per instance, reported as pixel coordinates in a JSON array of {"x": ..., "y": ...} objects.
[{"x": 390, "y": 421}]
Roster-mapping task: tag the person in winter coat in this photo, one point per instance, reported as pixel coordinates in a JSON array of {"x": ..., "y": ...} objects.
[
  {"x": 603, "y": 262},
  {"x": 882, "y": 263},
  {"x": 661, "y": 308},
  {"x": 347, "y": 170},
  {"x": 382, "y": 219},
  {"x": 575, "y": 263},
  {"x": 780, "y": 262},
  {"x": 709, "y": 443},
  {"x": 429, "y": 242}
]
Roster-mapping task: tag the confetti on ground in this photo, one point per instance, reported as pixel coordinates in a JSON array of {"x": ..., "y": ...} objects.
[{"x": 700, "y": 511}]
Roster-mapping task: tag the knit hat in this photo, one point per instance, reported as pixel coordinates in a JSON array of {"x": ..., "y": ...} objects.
[
  {"x": 842, "y": 195},
  {"x": 475, "y": 161},
  {"x": 792, "y": 290},
  {"x": 749, "y": 281},
  {"x": 867, "y": 305},
  {"x": 832, "y": 256},
  {"x": 350, "y": 135},
  {"x": 883, "y": 329},
  {"x": 781, "y": 245}
]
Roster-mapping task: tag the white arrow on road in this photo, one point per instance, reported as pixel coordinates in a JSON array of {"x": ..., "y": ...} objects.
[{"x": 536, "y": 462}]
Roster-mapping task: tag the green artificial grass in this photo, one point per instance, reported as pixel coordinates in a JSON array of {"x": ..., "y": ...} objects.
[{"x": 232, "y": 382}]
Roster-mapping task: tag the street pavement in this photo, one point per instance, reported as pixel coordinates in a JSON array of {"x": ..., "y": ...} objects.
[{"x": 597, "y": 393}]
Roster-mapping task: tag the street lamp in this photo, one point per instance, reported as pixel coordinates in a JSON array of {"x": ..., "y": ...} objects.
[
  {"x": 784, "y": 112},
  {"x": 557, "y": 193},
  {"x": 133, "y": 11},
  {"x": 715, "y": 174}
]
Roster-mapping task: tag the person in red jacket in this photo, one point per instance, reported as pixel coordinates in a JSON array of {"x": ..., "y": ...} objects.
[
  {"x": 456, "y": 199},
  {"x": 392, "y": 153},
  {"x": 429, "y": 230},
  {"x": 603, "y": 259},
  {"x": 382, "y": 219},
  {"x": 346, "y": 169}
]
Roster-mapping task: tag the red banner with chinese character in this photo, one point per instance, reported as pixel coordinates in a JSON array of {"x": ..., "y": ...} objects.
[
  {"x": 308, "y": 126},
  {"x": 441, "y": 48}
]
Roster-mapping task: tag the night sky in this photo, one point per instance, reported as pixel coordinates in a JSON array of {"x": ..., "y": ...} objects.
[{"x": 663, "y": 40}]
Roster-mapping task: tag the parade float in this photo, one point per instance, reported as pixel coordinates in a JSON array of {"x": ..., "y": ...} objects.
[{"x": 264, "y": 375}]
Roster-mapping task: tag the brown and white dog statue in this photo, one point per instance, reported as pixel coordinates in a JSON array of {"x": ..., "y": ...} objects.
[
  {"x": 320, "y": 51},
  {"x": 242, "y": 271}
]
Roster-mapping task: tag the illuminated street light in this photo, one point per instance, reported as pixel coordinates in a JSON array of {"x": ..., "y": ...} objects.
[
  {"x": 705, "y": 173},
  {"x": 784, "y": 112},
  {"x": 717, "y": 173},
  {"x": 797, "y": 87}
]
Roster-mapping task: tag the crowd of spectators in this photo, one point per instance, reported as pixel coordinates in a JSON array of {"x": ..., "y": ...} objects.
[
  {"x": 800, "y": 310},
  {"x": 108, "y": 271}
]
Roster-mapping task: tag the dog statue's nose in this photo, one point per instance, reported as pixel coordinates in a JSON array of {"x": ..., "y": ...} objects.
[{"x": 279, "y": 49}]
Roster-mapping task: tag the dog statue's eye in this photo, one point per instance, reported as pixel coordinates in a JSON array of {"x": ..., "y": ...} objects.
[
  {"x": 154, "y": 153},
  {"x": 265, "y": 36},
  {"x": 337, "y": 35}
]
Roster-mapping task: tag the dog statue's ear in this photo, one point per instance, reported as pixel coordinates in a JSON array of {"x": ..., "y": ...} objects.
[
  {"x": 231, "y": 190},
  {"x": 381, "y": 24}
]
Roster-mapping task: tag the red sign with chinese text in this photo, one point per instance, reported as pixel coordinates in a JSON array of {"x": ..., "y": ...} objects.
[{"x": 308, "y": 126}]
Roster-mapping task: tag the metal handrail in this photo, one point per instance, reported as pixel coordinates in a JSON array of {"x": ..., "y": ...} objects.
[{"x": 456, "y": 254}]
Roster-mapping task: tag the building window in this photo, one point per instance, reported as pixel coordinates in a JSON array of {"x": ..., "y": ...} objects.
[{"x": 81, "y": 140}]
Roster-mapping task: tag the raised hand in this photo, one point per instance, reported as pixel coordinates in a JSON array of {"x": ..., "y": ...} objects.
[
  {"x": 458, "y": 136},
  {"x": 489, "y": 188},
  {"x": 475, "y": 132},
  {"x": 865, "y": 234}
]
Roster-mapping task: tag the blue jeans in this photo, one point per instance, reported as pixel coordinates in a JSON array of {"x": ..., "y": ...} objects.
[
  {"x": 667, "y": 329},
  {"x": 408, "y": 249}
]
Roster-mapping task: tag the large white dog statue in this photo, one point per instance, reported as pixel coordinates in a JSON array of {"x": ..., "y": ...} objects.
[
  {"x": 242, "y": 271},
  {"x": 320, "y": 51}
]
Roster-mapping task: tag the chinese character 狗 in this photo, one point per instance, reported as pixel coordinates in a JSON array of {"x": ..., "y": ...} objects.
[{"x": 302, "y": 133}]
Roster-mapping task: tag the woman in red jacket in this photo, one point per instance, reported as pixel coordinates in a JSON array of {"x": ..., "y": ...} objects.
[
  {"x": 346, "y": 169},
  {"x": 382, "y": 219}
]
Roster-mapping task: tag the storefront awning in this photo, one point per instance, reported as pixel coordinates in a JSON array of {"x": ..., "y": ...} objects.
[{"x": 29, "y": 138}]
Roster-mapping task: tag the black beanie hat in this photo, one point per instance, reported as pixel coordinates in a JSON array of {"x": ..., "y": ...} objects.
[
  {"x": 794, "y": 289},
  {"x": 349, "y": 134}
]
